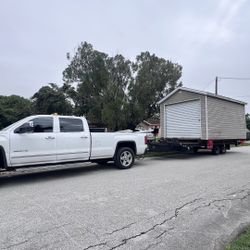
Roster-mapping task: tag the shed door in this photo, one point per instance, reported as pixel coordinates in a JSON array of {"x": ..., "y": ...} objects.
[{"x": 183, "y": 120}]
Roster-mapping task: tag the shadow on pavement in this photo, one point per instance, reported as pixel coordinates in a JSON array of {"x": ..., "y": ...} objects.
[
  {"x": 191, "y": 156},
  {"x": 40, "y": 174}
]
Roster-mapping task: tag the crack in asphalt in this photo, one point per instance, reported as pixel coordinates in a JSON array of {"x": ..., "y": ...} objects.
[
  {"x": 221, "y": 200},
  {"x": 124, "y": 241},
  {"x": 152, "y": 228},
  {"x": 53, "y": 228},
  {"x": 35, "y": 236},
  {"x": 96, "y": 245},
  {"x": 158, "y": 238},
  {"x": 177, "y": 210},
  {"x": 164, "y": 232},
  {"x": 237, "y": 192},
  {"x": 176, "y": 213},
  {"x": 16, "y": 244},
  {"x": 120, "y": 229}
]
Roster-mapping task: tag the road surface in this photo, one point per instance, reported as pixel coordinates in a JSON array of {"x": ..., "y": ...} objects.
[{"x": 179, "y": 202}]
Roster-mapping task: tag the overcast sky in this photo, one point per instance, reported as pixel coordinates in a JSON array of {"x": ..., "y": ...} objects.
[{"x": 208, "y": 38}]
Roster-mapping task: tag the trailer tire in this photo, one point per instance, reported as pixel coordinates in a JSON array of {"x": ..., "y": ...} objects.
[
  {"x": 216, "y": 150},
  {"x": 124, "y": 158},
  {"x": 223, "y": 150},
  {"x": 195, "y": 150}
]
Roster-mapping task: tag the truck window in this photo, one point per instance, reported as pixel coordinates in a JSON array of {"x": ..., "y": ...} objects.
[
  {"x": 42, "y": 125},
  {"x": 70, "y": 125}
]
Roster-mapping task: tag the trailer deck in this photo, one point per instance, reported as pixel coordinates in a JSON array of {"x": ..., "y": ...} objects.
[{"x": 191, "y": 145}]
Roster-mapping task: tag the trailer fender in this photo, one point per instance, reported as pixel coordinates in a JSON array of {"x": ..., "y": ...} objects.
[{"x": 210, "y": 144}]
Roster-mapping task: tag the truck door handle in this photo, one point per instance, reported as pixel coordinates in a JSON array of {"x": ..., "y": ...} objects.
[
  {"x": 50, "y": 138},
  {"x": 84, "y": 137}
]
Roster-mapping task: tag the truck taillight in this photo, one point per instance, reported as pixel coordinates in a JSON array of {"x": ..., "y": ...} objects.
[
  {"x": 210, "y": 144},
  {"x": 145, "y": 139}
]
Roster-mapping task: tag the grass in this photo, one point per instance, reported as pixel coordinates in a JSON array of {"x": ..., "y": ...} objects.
[
  {"x": 245, "y": 144},
  {"x": 242, "y": 242}
]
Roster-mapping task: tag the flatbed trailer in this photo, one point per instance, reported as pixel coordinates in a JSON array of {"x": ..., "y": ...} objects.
[{"x": 192, "y": 145}]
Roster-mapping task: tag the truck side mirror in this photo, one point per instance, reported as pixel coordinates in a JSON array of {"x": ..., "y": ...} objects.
[{"x": 25, "y": 128}]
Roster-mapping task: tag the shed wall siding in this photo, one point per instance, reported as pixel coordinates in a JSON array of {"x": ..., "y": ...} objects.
[
  {"x": 226, "y": 120},
  {"x": 182, "y": 96}
]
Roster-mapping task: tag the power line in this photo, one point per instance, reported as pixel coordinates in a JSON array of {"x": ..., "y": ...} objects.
[
  {"x": 228, "y": 78},
  {"x": 234, "y": 78}
]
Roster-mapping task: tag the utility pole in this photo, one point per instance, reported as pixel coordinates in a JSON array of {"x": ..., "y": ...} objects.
[
  {"x": 216, "y": 85},
  {"x": 228, "y": 78}
]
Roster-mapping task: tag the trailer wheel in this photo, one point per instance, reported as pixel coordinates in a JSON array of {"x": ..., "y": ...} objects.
[
  {"x": 195, "y": 150},
  {"x": 216, "y": 150},
  {"x": 223, "y": 149},
  {"x": 124, "y": 158}
]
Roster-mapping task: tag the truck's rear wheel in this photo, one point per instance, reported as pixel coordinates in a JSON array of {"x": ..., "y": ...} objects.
[{"x": 124, "y": 158}]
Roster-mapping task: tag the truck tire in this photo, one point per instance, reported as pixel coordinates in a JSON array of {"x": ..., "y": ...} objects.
[
  {"x": 216, "y": 150},
  {"x": 124, "y": 158},
  {"x": 3, "y": 164}
]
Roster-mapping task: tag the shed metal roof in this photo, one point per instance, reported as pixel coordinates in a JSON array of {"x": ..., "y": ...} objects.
[{"x": 201, "y": 93}]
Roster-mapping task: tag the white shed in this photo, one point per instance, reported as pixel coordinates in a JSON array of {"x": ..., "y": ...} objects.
[{"x": 192, "y": 114}]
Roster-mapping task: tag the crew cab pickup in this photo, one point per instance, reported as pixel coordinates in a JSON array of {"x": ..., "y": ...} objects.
[{"x": 52, "y": 139}]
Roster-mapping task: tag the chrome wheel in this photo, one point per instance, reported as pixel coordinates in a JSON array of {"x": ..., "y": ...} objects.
[{"x": 126, "y": 158}]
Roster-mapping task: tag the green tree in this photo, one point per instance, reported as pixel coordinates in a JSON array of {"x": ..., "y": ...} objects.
[
  {"x": 13, "y": 108},
  {"x": 115, "y": 92},
  {"x": 116, "y": 98},
  {"x": 52, "y": 99},
  {"x": 154, "y": 78},
  {"x": 88, "y": 71},
  {"x": 101, "y": 86}
]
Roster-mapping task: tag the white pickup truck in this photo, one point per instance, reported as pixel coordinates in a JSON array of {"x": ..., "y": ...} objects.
[{"x": 51, "y": 139}]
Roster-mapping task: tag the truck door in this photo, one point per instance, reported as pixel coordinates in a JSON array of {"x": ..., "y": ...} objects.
[
  {"x": 34, "y": 145},
  {"x": 73, "y": 140}
]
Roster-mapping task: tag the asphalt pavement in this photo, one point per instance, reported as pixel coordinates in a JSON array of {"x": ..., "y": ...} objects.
[{"x": 177, "y": 202}]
